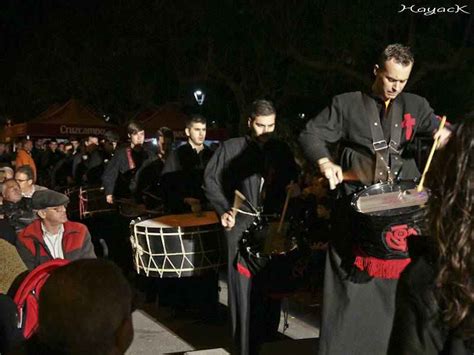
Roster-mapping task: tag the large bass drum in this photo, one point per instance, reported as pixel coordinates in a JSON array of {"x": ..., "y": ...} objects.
[
  {"x": 385, "y": 215},
  {"x": 177, "y": 245}
]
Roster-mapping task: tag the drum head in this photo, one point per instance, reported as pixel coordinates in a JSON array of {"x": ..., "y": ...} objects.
[
  {"x": 188, "y": 219},
  {"x": 390, "y": 199}
]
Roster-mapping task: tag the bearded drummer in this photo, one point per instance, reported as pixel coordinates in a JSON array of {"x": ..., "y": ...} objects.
[
  {"x": 373, "y": 129},
  {"x": 260, "y": 168}
]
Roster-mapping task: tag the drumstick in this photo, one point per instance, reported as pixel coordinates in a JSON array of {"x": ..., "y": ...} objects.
[
  {"x": 285, "y": 207},
  {"x": 239, "y": 199},
  {"x": 430, "y": 157}
]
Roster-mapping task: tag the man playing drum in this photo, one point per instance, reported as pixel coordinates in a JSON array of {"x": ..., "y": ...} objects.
[
  {"x": 374, "y": 129},
  {"x": 119, "y": 175},
  {"x": 249, "y": 164},
  {"x": 182, "y": 175}
]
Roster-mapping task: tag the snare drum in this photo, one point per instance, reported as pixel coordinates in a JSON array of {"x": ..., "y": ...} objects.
[
  {"x": 177, "y": 245},
  {"x": 385, "y": 215}
]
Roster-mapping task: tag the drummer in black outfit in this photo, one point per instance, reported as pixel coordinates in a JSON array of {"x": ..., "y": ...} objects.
[
  {"x": 119, "y": 175},
  {"x": 257, "y": 166},
  {"x": 374, "y": 129},
  {"x": 182, "y": 175}
]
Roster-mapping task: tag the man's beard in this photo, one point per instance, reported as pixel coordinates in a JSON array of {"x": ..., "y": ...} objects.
[{"x": 262, "y": 138}]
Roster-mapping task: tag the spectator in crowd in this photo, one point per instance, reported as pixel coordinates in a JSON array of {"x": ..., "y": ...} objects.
[
  {"x": 75, "y": 145},
  {"x": 5, "y": 157},
  {"x": 14, "y": 208},
  {"x": 88, "y": 166},
  {"x": 164, "y": 140},
  {"x": 110, "y": 144},
  {"x": 434, "y": 311},
  {"x": 80, "y": 313},
  {"x": 24, "y": 157},
  {"x": 61, "y": 175},
  {"x": 49, "y": 159},
  {"x": 11, "y": 268},
  {"x": 25, "y": 178},
  {"x": 52, "y": 236},
  {"x": 8, "y": 173}
]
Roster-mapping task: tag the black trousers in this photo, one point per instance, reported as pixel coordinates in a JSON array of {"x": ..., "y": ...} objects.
[{"x": 255, "y": 315}]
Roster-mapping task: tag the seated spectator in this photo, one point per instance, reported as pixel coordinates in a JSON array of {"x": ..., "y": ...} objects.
[
  {"x": 24, "y": 176},
  {"x": 16, "y": 210},
  {"x": 7, "y": 232},
  {"x": 52, "y": 236},
  {"x": 24, "y": 157},
  {"x": 12, "y": 265},
  {"x": 435, "y": 295},
  {"x": 5, "y": 157},
  {"x": 85, "y": 307},
  {"x": 8, "y": 173}
]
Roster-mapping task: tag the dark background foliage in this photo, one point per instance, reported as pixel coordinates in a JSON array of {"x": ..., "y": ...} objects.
[{"x": 122, "y": 56}]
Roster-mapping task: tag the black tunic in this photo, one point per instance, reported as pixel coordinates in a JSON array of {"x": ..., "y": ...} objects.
[
  {"x": 118, "y": 178},
  {"x": 182, "y": 177},
  {"x": 417, "y": 327},
  {"x": 346, "y": 122},
  {"x": 240, "y": 164},
  {"x": 357, "y": 317}
]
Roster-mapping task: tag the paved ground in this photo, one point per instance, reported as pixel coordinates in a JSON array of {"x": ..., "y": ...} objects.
[{"x": 166, "y": 330}]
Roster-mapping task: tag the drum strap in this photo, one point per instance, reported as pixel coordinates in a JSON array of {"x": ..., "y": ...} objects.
[
  {"x": 387, "y": 156},
  {"x": 131, "y": 163}
]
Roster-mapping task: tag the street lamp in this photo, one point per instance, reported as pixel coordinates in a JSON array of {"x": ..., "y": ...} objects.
[{"x": 199, "y": 95}]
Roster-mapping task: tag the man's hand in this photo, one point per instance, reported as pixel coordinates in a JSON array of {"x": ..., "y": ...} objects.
[
  {"x": 331, "y": 171},
  {"x": 228, "y": 220},
  {"x": 294, "y": 189},
  {"x": 443, "y": 135},
  {"x": 109, "y": 199}
]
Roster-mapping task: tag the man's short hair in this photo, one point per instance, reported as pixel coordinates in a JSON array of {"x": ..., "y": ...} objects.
[
  {"x": 81, "y": 307},
  {"x": 261, "y": 108},
  {"x": 165, "y": 132},
  {"x": 27, "y": 170},
  {"x": 134, "y": 127},
  {"x": 195, "y": 118},
  {"x": 7, "y": 182},
  {"x": 23, "y": 141},
  {"x": 399, "y": 53},
  {"x": 89, "y": 136}
]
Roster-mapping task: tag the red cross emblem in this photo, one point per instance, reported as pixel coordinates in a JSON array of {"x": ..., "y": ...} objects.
[{"x": 408, "y": 123}]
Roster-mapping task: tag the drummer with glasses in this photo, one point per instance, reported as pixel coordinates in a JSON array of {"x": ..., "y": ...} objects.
[{"x": 374, "y": 129}]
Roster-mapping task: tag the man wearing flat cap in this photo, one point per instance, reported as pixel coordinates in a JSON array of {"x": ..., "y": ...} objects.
[{"x": 52, "y": 236}]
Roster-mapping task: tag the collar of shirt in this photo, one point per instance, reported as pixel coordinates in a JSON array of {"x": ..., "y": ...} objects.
[
  {"x": 52, "y": 235},
  {"x": 29, "y": 195},
  {"x": 54, "y": 241}
]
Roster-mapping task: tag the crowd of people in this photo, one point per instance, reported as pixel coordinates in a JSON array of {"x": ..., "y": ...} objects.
[{"x": 373, "y": 303}]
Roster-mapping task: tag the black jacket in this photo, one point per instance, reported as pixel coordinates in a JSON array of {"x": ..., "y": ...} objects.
[{"x": 417, "y": 327}]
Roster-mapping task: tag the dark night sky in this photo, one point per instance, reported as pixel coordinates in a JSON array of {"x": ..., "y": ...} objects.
[{"x": 122, "y": 56}]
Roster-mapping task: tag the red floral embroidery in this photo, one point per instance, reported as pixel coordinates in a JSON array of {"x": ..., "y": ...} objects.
[{"x": 396, "y": 237}]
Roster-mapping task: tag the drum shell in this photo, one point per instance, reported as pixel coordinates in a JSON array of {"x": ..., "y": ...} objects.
[
  {"x": 177, "y": 251},
  {"x": 383, "y": 234}
]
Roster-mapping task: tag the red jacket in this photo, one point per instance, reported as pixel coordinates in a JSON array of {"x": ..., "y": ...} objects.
[{"x": 76, "y": 242}]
